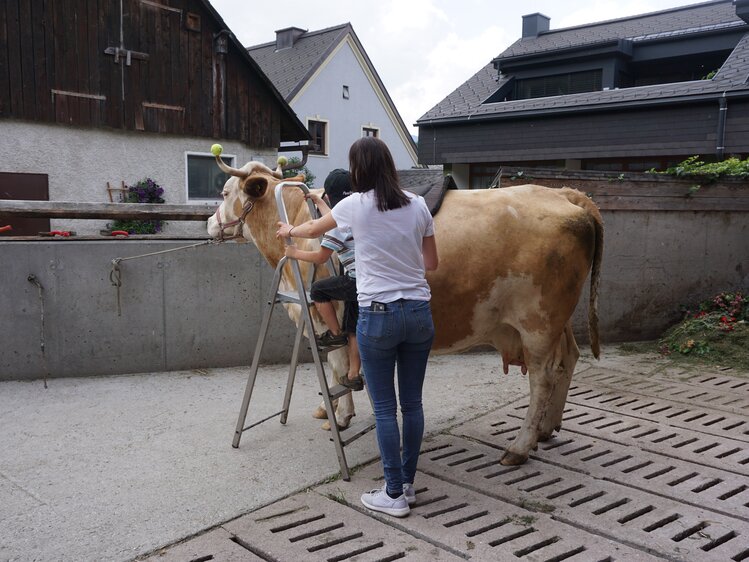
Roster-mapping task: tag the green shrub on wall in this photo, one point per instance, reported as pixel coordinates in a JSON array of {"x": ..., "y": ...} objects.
[
  {"x": 144, "y": 191},
  {"x": 309, "y": 176},
  {"x": 693, "y": 166}
]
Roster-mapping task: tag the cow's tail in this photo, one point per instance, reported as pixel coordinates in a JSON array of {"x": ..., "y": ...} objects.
[{"x": 581, "y": 200}]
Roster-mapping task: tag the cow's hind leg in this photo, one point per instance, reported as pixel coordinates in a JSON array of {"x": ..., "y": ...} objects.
[
  {"x": 344, "y": 406},
  {"x": 564, "y": 366},
  {"x": 541, "y": 378}
]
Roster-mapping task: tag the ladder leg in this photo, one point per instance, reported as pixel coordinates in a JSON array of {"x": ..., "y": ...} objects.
[
  {"x": 264, "y": 325},
  {"x": 292, "y": 372},
  {"x": 325, "y": 389}
]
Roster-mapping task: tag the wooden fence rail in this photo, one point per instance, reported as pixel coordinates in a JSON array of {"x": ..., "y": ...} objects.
[{"x": 121, "y": 211}]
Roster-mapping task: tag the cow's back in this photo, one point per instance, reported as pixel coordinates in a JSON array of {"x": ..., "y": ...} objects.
[{"x": 512, "y": 259}]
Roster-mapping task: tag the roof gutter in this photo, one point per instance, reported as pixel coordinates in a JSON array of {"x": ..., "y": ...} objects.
[{"x": 583, "y": 108}]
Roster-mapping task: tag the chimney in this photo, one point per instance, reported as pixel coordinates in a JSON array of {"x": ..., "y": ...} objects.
[
  {"x": 533, "y": 24},
  {"x": 286, "y": 38},
  {"x": 742, "y": 9}
]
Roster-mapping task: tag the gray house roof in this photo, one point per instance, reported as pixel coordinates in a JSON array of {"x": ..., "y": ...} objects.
[
  {"x": 467, "y": 102},
  {"x": 290, "y": 69}
]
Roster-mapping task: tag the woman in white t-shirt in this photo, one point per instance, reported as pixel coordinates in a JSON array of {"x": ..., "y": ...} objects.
[{"x": 395, "y": 245}]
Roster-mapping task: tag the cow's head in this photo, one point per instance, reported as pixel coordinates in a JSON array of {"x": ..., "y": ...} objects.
[{"x": 248, "y": 186}]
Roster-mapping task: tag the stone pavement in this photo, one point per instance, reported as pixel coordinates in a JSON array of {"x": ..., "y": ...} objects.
[{"x": 652, "y": 463}]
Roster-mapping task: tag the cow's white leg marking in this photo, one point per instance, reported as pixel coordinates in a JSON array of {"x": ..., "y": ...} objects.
[
  {"x": 570, "y": 353},
  {"x": 541, "y": 376}
]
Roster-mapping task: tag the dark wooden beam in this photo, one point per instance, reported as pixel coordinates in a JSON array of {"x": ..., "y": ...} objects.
[{"x": 123, "y": 211}]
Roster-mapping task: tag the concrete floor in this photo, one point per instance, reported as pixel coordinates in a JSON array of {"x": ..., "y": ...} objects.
[
  {"x": 111, "y": 468},
  {"x": 141, "y": 466}
]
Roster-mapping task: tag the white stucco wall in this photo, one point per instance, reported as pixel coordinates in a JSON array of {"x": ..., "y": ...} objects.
[
  {"x": 323, "y": 100},
  {"x": 80, "y": 162}
]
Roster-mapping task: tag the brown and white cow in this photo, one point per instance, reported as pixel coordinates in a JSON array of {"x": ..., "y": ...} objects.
[
  {"x": 249, "y": 195},
  {"x": 513, "y": 263}
]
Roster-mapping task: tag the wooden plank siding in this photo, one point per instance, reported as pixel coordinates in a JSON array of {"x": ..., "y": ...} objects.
[
  {"x": 675, "y": 130},
  {"x": 639, "y": 191},
  {"x": 54, "y": 69}
]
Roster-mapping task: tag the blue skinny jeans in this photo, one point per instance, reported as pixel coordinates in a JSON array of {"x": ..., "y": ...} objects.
[{"x": 401, "y": 335}]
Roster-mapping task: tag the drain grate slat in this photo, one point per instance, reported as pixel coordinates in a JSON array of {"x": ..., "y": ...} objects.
[
  {"x": 297, "y": 523},
  {"x": 442, "y": 511},
  {"x": 662, "y": 522},
  {"x": 335, "y": 542},
  {"x": 534, "y": 547},
  {"x": 487, "y": 528},
  {"x": 635, "y": 514},
  {"x": 511, "y": 537},
  {"x": 316, "y": 532},
  {"x": 466, "y": 519},
  {"x": 467, "y": 459},
  {"x": 364, "y": 550},
  {"x": 566, "y": 555}
]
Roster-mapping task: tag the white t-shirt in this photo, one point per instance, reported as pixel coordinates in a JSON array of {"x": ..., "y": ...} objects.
[{"x": 389, "y": 259}]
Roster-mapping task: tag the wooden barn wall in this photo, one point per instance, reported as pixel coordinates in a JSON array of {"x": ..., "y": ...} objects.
[
  {"x": 53, "y": 68},
  {"x": 683, "y": 129}
]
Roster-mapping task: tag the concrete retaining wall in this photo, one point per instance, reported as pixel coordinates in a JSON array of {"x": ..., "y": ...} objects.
[
  {"x": 199, "y": 307},
  {"x": 202, "y": 307}
]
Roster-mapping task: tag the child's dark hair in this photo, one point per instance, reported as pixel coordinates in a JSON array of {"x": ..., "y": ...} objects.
[{"x": 372, "y": 167}]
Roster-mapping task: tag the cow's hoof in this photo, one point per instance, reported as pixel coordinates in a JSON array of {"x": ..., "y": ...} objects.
[
  {"x": 558, "y": 428},
  {"x": 320, "y": 414},
  {"x": 544, "y": 437},
  {"x": 341, "y": 426},
  {"x": 512, "y": 459}
]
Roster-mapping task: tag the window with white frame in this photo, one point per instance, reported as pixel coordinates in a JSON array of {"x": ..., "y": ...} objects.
[
  {"x": 318, "y": 130},
  {"x": 370, "y": 132},
  {"x": 203, "y": 178}
]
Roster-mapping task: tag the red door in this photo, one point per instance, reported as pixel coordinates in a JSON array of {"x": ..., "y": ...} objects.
[{"x": 31, "y": 187}]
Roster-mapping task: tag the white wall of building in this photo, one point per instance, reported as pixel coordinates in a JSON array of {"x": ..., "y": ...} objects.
[
  {"x": 322, "y": 99},
  {"x": 80, "y": 162}
]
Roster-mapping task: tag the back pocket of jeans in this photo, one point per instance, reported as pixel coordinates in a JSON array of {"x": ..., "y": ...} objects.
[{"x": 376, "y": 325}]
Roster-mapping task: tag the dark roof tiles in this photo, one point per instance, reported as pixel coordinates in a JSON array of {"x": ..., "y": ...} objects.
[
  {"x": 674, "y": 20},
  {"x": 288, "y": 68},
  {"x": 468, "y": 100}
]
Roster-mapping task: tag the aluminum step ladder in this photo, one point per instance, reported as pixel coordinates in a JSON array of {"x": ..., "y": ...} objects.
[{"x": 301, "y": 297}]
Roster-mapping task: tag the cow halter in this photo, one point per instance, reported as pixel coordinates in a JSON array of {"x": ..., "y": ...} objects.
[{"x": 246, "y": 208}]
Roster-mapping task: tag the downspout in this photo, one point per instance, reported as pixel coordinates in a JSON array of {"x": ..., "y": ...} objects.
[{"x": 721, "y": 135}]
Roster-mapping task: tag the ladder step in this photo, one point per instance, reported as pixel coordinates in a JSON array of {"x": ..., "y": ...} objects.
[
  {"x": 283, "y": 296},
  {"x": 360, "y": 431},
  {"x": 336, "y": 391}
]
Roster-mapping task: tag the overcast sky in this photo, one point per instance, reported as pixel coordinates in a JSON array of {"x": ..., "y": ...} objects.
[{"x": 424, "y": 49}]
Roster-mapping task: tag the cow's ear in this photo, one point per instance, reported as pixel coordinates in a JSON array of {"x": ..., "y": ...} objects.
[
  {"x": 255, "y": 186},
  {"x": 299, "y": 178}
]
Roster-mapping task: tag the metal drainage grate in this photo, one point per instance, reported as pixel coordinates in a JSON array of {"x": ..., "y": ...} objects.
[
  {"x": 633, "y": 517},
  {"x": 310, "y": 527},
  {"x": 709, "y": 488},
  {"x": 485, "y": 528},
  {"x": 672, "y": 411},
  {"x": 694, "y": 446},
  {"x": 719, "y": 392}
]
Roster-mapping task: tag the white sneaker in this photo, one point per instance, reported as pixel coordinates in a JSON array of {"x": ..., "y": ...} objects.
[
  {"x": 378, "y": 500},
  {"x": 409, "y": 492}
]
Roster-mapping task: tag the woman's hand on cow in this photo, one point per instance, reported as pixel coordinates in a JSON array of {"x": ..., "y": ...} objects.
[{"x": 284, "y": 230}]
